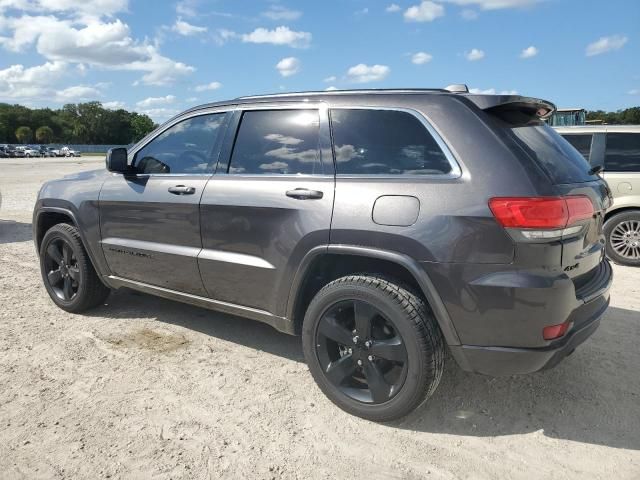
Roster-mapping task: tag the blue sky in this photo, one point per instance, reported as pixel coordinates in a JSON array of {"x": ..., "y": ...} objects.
[{"x": 161, "y": 57}]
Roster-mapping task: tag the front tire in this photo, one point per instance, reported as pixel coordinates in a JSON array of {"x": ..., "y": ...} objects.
[
  {"x": 373, "y": 347},
  {"x": 67, "y": 272},
  {"x": 622, "y": 232}
]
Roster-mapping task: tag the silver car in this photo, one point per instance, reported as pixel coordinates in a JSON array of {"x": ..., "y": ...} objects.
[{"x": 617, "y": 149}]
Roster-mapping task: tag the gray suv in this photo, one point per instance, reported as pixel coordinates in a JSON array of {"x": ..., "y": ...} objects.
[{"x": 385, "y": 227}]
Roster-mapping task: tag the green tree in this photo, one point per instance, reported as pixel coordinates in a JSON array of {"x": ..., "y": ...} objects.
[
  {"x": 24, "y": 134},
  {"x": 44, "y": 134},
  {"x": 141, "y": 125}
]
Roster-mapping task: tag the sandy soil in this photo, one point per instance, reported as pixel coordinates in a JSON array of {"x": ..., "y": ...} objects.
[{"x": 147, "y": 388}]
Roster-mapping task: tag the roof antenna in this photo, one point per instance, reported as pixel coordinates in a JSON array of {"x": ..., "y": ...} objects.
[{"x": 457, "y": 88}]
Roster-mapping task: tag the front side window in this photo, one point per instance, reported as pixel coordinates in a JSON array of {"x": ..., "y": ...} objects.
[
  {"x": 186, "y": 147},
  {"x": 277, "y": 142},
  {"x": 581, "y": 142},
  {"x": 623, "y": 152},
  {"x": 384, "y": 142}
]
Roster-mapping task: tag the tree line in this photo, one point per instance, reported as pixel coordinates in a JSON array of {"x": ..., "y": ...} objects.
[
  {"x": 82, "y": 123},
  {"x": 628, "y": 116}
]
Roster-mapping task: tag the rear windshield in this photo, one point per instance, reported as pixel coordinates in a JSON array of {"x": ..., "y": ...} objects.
[{"x": 562, "y": 162}]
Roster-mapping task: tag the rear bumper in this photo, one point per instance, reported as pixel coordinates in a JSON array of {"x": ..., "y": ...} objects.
[{"x": 499, "y": 361}]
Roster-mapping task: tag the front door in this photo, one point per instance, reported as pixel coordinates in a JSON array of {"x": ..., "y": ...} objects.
[
  {"x": 149, "y": 219},
  {"x": 266, "y": 208}
]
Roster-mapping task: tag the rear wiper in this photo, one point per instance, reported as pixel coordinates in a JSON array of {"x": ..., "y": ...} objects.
[{"x": 595, "y": 170}]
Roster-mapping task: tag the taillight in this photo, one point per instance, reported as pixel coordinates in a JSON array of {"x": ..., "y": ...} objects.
[{"x": 542, "y": 217}]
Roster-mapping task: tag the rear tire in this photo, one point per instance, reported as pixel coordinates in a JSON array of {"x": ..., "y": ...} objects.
[
  {"x": 364, "y": 370},
  {"x": 622, "y": 232},
  {"x": 67, "y": 272}
]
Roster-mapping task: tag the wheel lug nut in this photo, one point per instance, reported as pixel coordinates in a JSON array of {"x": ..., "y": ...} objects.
[
  {"x": 367, "y": 344},
  {"x": 370, "y": 358},
  {"x": 360, "y": 362},
  {"x": 355, "y": 339},
  {"x": 350, "y": 350}
]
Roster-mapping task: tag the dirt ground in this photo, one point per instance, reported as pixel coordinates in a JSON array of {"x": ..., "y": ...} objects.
[{"x": 147, "y": 388}]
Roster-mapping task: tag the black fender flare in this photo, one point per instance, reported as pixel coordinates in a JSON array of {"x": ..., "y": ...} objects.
[
  {"x": 65, "y": 211},
  {"x": 411, "y": 265}
]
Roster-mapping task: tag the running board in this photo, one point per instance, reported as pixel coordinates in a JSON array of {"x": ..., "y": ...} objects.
[{"x": 279, "y": 323}]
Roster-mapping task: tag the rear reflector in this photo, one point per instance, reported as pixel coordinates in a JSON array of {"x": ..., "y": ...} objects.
[
  {"x": 555, "y": 331},
  {"x": 541, "y": 212}
]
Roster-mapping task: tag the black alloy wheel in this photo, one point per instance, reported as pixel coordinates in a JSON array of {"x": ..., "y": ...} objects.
[
  {"x": 63, "y": 272},
  {"x": 361, "y": 352}
]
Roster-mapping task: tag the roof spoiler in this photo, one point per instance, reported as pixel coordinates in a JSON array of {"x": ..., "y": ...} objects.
[{"x": 502, "y": 105}]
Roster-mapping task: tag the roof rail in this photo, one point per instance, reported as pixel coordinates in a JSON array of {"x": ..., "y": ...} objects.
[{"x": 344, "y": 92}]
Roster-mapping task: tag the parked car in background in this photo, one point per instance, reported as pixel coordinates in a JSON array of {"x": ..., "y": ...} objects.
[
  {"x": 68, "y": 152},
  {"x": 385, "y": 227},
  {"x": 19, "y": 151},
  {"x": 3, "y": 152},
  {"x": 615, "y": 148},
  {"x": 31, "y": 151}
]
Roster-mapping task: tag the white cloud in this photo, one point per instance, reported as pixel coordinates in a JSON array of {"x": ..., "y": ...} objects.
[
  {"x": 33, "y": 83},
  {"x": 330, "y": 89},
  {"x": 159, "y": 114},
  {"x": 288, "y": 66},
  {"x": 85, "y": 8},
  {"x": 634, "y": 91},
  {"x": 280, "y": 36},
  {"x": 426, "y": 11},
  {"x": 495, "y": 4},
  {"x": 208, "y": 86},
  {"x": 156, "y": 101},
  {"x": 91, "y": 42},
  {"x": 468, "y": 14},
  {"x": 606, "y": 44},
  {"x": 279, "y": 12},
  {"x": 492, "y": 91},
  {"x": 421, "y": 58},
  {"x": 529, "y": 52},
  {"x": 393, "y": 8},
  {"x": 362, "y": 73},
  {"x": 474, "y": 54},
  {"x": 114, "y": 105},
  {"x": 77, "y": 93},
  {"x": 186, "y": 29},
  {"x": 330, "y": 79}
]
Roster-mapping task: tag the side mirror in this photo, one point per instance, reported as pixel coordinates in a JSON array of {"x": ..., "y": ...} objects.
[{"x": 117, "y": 160}]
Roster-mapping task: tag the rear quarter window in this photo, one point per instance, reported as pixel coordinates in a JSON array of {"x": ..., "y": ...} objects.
[
  {"x": 623, "y": 152},
  {"x": 385, "y": 142}
]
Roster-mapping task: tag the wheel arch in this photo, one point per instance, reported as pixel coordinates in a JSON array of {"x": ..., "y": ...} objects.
[
  {"x": 400, "y": 266},
  {"x": 611, "y": 213}
]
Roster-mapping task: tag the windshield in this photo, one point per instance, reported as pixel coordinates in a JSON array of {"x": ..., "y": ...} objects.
[{"x": 559, "y": 159}]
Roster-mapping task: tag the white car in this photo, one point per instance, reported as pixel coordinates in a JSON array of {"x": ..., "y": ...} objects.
[{"x": 67, "y": 152}]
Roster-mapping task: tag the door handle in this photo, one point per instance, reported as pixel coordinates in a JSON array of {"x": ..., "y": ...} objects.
[
  {"x": 182, "y": 190},
  {"x": 304, "y": 194}
]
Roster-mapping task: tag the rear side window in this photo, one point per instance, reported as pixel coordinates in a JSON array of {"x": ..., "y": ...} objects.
[
  {"x": 277, "y": 142},
  {"x": 623, "y": 152},
  {"x": 384, "y": 142},
  {"x": 554, "y": 154},
  {"x": 582, "y": 143}
]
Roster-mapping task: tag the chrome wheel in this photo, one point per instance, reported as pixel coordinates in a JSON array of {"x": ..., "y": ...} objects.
[{"x": 625, "y": 239}]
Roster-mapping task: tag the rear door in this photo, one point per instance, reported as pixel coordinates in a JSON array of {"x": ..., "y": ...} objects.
[
  {"x": 622, "y": 168},
  {"x": 268, "y": 204},
  {"x": 150, "y": 219}
]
